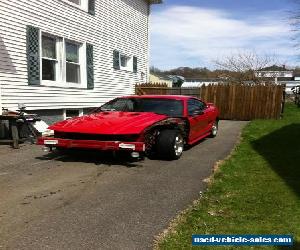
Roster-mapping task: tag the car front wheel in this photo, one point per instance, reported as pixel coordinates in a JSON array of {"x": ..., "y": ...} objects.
[
  {"x": 170, "y": 144},
  {"x": 214, "y": 129}
]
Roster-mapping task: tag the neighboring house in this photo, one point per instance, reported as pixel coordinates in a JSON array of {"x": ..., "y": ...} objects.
[
  {"x": 276, "y": 73},
  {"x": 296, "y": 77},
  {"x": 177, "y": 80},
  {"x": 63, "y": 57},
  {"x": 198, "y": 82},
  {"x": 155, "y": 78},
  {"x": 280, "y": 75},
  {"x": 289, "y": 85}
]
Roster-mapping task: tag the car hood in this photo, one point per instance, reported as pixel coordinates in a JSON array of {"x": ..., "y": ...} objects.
[{"x": 109, "y": 123}]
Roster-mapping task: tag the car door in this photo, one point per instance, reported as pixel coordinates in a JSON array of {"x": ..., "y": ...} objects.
[{"x": 198, "y": 118}]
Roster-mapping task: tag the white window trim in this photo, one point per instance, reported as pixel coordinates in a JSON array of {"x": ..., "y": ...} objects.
[
  {"x": 80, "y": 111},
  {"x": 84, "y": 5},
  {"x": 61, "y": 64}
]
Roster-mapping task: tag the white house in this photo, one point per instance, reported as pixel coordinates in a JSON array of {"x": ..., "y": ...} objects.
[
  {"x": 273, "y": 74},
  {"x": 296, "y": 77},
  {"x": 62, "y": 57},
  {"x": 198, "y": 82},
  {"x": 276, "y": 73}
]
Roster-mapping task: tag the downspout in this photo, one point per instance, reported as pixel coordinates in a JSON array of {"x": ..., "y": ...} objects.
[
  {"x": 148, "y": 35},
  {"x": 0, "y": 101}
]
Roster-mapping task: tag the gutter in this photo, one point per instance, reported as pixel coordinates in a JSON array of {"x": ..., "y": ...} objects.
[{"x": 155, "y": 1}]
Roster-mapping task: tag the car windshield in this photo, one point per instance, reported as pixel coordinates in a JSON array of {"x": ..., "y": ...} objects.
[{"x": 169, "y": 107}]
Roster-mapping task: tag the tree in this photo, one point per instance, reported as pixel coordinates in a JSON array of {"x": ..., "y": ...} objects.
[
  {"x": 242, "y": 67},
  {"x": 154, "y": 70}
]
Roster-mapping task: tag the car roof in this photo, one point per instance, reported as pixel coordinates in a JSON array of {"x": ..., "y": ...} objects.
[{"x": 173, "y": 97}]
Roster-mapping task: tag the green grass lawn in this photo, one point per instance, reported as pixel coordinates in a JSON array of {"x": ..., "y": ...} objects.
[{"x": 255, "y": 191}]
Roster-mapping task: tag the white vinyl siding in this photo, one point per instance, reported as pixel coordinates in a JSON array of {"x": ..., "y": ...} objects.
[{"x": 117, "y": 25}]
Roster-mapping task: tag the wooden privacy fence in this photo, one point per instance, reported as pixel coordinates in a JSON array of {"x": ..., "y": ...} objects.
[{"x": 235, "y": 101}]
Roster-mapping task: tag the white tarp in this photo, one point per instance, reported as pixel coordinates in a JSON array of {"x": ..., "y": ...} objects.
[{"x": 42, "y": 127}]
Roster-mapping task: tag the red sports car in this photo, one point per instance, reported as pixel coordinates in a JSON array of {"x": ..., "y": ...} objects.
[{"x": 148, "y": 125}]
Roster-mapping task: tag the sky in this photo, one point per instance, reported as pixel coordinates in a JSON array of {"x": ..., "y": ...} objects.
[{"x": 196, "y": 33}]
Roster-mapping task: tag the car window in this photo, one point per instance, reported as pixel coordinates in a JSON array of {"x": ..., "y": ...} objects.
[
  {"x": 122, "y": 104},
  {"x": 169, "y": 107},
  {"x": 195, "y": 105}
]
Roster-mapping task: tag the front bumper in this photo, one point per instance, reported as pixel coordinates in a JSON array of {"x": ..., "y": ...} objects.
[{"x": 89, "y": 144}]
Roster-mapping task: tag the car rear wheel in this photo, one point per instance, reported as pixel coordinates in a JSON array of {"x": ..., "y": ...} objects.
[
  {"x": 214, "y": 129},
  {"x": 170, "y": 144}
]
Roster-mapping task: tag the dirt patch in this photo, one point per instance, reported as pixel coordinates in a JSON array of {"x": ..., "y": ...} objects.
[{"x": 25, "y": 197}]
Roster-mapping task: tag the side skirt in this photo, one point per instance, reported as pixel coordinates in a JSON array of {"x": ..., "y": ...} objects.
[{"x": 199, "y": 138}]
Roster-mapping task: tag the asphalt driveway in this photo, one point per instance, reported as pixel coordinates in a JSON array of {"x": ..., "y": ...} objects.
[{"x": 93, "y": 201}]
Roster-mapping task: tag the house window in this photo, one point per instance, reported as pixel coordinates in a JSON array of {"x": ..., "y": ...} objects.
[
  {"x": 82, "y": 4},
  {"x": 78, "y": 2},
  {"x": 125, "y": 62},
  {"x": 72, "y": 62},
  {"x": 62, "y": 62},
  {"x": 49, "y": 58},
  {"x": 71, "y": 113}
]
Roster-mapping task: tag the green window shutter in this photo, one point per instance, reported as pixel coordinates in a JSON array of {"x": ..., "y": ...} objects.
[
  {"x": 90, "y": 66},
  {"x": 92, "y": 7},
  {"x": 135, "y": 64},
  {"x": 116, "y": 59},
  {"x": 33, "y": 55}
]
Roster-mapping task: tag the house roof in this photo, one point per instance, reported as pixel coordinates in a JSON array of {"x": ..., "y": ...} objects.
[
  {"x": 274, "y": 68},
  {"x": 195, "y": 79},
  {"x": 155, "y": 1}
]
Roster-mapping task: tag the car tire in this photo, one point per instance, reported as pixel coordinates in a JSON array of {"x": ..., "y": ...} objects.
[
  {"x": 214, "y": 129},
  {"x": 170, "y": 144},
  {"x": 62, "y": 150}
]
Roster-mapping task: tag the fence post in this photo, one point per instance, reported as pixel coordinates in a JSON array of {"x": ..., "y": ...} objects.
[{"x": 283, "y": 99}]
